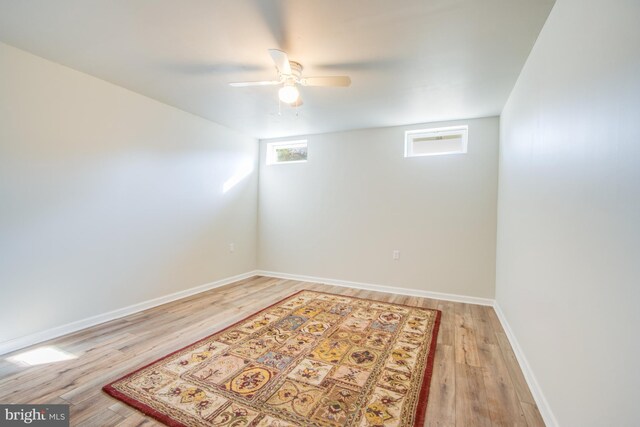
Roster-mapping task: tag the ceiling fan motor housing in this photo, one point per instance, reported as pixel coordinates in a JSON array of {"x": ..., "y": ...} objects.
[{"x": 296, "y": 69}]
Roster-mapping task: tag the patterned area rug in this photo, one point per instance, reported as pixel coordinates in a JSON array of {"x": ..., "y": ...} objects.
[{"x": 312, "y": 359}]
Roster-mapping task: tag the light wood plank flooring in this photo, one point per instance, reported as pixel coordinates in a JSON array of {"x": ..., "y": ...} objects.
[{"x": 476, "y": 379}]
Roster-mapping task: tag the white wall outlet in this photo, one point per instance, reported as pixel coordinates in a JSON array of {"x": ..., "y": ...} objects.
[
  {"x": 232, "y": 247},
  {"x": 396, "y": 254}
]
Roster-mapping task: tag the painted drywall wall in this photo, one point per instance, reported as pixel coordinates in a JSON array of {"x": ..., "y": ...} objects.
[
  {"x": 568, "y": 260},
  {"x": 109, "y": 198},
  {"x": 341, "y": 214}
]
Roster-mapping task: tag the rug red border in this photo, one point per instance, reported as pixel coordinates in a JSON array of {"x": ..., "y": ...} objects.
[{"x": 423, "y": 396}]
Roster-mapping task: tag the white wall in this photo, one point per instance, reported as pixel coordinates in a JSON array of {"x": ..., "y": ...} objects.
[
  {"x": 568, "y": 263},
  {"x": 341, "y": 214},
  {"x": 108, "y": 198}
]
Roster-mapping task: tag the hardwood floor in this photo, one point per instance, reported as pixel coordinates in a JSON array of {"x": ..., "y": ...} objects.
[{"x": 476, "y": 379}]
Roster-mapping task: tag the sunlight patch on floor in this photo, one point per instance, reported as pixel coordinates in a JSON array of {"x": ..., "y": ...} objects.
[{"x": 41, "y": 356}]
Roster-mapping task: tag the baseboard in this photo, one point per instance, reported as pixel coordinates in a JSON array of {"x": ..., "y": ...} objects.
[
  {"x": 58, "y": 331},
  {"x": 536, "y": 391},
  {"x": 380, "y": 288},
  {"x": 38, "y": 337}
]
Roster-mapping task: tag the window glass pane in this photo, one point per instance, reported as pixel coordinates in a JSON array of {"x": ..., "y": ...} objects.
[
  {"x": 437, "y": 144},
  {"x": 430, "y": 142},
  {"x": 286, "y": 152},
  {"x": 291, "y": 154}
]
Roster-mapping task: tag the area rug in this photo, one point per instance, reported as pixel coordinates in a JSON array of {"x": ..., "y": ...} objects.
[{"x": 312, "y": 359}]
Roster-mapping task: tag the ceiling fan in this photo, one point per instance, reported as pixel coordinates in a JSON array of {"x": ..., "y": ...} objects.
[{"x": 290, "y": 76}]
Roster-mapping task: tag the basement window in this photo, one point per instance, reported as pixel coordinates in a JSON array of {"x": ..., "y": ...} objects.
[
  {"x": 287, "y": 152},
  {"x": 434, "y": 142}
]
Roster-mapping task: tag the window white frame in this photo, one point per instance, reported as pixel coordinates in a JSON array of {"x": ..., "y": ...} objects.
[
  {"x": 272, "y": 147},
  {"x": 411, "y": 136}
]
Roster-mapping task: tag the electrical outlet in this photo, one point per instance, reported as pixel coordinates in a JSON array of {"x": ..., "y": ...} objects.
[
  {"x": 232, "y": 247},
  {"x": 396, "y": 254}
]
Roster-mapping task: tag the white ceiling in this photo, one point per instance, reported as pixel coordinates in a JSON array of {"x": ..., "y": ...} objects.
[{"x": 410, "y": 61}]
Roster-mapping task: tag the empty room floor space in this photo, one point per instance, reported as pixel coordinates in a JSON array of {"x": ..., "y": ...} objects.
[{"x": 476, "y": 378}]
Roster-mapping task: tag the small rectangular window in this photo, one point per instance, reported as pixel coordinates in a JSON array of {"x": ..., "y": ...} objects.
[
  {"x": 287, "y": 152},
  {"x": 433, "y": 142}
]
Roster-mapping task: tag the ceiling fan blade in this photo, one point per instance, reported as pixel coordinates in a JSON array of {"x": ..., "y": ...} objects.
[
  {"x": 263, "y": 83},
  {"x": 281, "y": 60},
  {"x": 337, "y": 81}
]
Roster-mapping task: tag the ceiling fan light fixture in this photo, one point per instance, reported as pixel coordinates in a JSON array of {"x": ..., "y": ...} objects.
[
  {"x": 290, "y": 76},
  {"x": 288, "y": 94}
]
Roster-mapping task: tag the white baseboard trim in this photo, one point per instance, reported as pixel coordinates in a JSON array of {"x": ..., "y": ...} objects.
[
  {"x": 379, "y": 288},
  {"x": 38, "y": 337},
  {"x": 543, "y": 406},
  {"x": 536, "y": 391}
]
